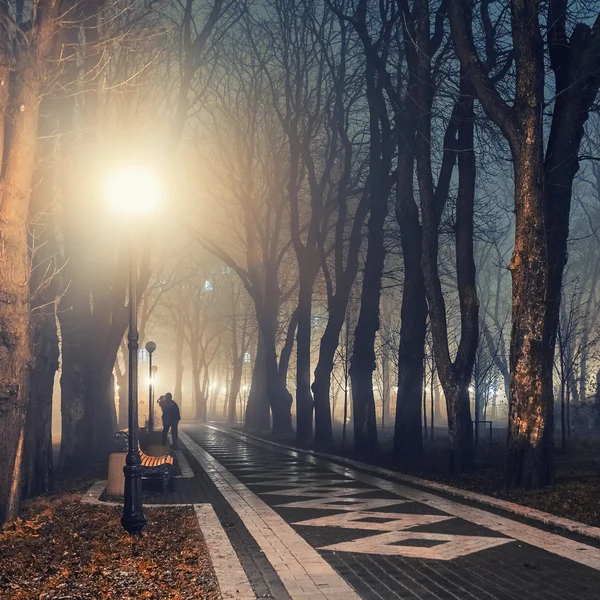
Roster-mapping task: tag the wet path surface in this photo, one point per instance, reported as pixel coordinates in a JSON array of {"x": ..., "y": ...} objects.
[{"x": 319, "y": 530}]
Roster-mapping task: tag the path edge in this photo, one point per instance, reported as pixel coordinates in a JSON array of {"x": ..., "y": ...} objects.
[{"x": 589, "y": 531}]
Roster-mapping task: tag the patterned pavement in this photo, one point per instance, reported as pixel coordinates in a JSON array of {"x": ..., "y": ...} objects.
[{"x": 326, "y": 531}]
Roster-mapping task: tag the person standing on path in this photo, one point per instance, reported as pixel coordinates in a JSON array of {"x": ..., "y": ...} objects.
[{"x": 170, "y": 418}]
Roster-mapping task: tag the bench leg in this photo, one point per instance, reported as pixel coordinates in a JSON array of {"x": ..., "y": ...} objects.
[{"x": 166, "y": 479}]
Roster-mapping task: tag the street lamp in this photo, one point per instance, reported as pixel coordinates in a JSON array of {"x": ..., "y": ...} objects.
[
  {"x": 150, "y": 348},
  {"x": 134, "y": 192}
]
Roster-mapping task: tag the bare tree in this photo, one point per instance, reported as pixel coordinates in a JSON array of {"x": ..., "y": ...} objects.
[
  {"x": 543, "y": 187},
  {"x": 28, "y": 49}
]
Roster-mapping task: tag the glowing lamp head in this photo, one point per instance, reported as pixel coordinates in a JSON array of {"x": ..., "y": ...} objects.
[{"x": 134, "y": 191}]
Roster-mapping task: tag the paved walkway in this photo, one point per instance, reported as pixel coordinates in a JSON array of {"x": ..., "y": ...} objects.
[{"x": 305, "y": 527}]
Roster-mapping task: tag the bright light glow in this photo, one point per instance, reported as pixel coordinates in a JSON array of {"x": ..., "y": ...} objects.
[
  {"x": 134, "y": 190},
  {"x": 471, "y": 389}
]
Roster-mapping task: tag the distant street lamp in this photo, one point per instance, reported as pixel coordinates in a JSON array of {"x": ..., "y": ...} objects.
[
  {"x": 150, "y": 348},
  {"x": 134, "y": 192}
]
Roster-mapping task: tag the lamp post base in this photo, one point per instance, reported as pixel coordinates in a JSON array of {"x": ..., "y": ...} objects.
[{"x": 133, "y": 519}]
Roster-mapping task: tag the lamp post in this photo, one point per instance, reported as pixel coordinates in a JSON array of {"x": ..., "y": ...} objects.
[
  {"x": 135, "y": 193},
  {"x": 150, "y": 348}
]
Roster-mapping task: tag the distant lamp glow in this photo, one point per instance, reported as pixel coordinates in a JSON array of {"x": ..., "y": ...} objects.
[{"x": 134, "y": 190}]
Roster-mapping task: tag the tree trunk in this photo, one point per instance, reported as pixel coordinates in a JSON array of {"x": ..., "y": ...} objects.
[
  {"x": 477, "y": 409},
  {"x": 424, "y": 400},
  {"x": 122, "y": 392},
  {"x": 362, "y": 364},
  {"x": 202, "y": 398},
  {"x": 19, "y": 162},
  {"x": 321, "y": 386},
  {"x": 101, "y": 402},
  {"x": 257, "y": 408},
  {"x": 454, "y": 375},
  {"x": 530, "y": 462},
  {"x": 408, "y": 439},
  {"x": 385, "y": 392},
  {"x": 38, "y": 475},
  {"x": 280, "y": 399},
  {"x": 197, "y": 387},
  {"x": 179, "y": 344},
  {"x": 228, "y": 378},
  {"x": 563, "y": 425},
  {"x": 434, "y": 407},
  {"x": 234, "y": 390},
  {"x": 304, "y": 399},
  {"x": 38, "y": 457}
]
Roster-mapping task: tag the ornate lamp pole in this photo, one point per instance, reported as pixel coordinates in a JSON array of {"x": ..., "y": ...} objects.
[
  {"x": 134, "y": 192},
  {"x": 150, "y": 348}
]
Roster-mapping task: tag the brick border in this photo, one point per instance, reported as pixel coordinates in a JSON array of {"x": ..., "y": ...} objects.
[
  {"x": 533, "y": 514},
  {"x": 302, "y": 570},
  {"x": 92, "y": 496},
  {"x": 233, "y": 581},
  {"x": 184, "y": 466}
]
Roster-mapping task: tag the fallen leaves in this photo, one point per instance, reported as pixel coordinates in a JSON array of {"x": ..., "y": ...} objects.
[{"x": 62, "y": 549}]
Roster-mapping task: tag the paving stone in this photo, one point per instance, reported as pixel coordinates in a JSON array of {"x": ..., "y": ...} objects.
[{"x": 526, "y": 563}]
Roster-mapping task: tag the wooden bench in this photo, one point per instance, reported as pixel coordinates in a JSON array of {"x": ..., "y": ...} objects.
[
  {"x": 157, "y": 466},
  {"x": 152, "y": 466}
]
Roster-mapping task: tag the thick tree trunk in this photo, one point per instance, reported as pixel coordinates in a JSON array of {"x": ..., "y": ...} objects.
[
  {"x": 542, "y": 204},
  {"x": 257, "y": 408},
  {"x": 408, "y": 439},
  {"x": 530, "y": 461},
  {"x": 101, "y": 402},
  {"x": 75, "y": 433},
  {"x": 74, "y": 307},
  {"x": 15, "y": 341},
  {"x": 38, "y": 475},
  {"x": 38, "y": 457}
]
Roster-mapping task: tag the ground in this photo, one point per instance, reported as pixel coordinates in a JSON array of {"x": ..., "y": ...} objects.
[
  {"x": 61, "y": 548},
  {"x": 293, "y": 525}
]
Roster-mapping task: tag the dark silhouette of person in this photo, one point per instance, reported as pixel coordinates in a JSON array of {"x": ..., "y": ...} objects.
[{"x": 170, "y": 418}]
